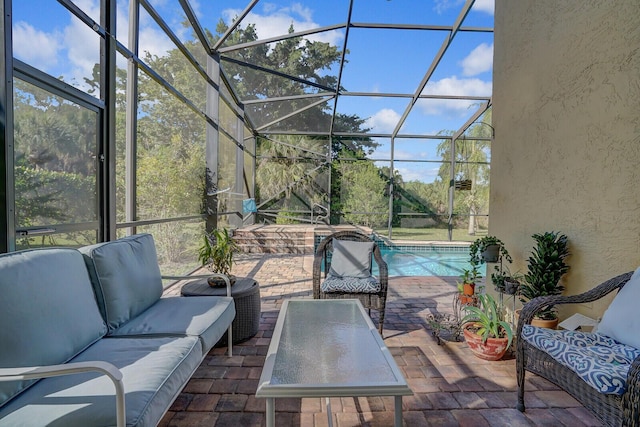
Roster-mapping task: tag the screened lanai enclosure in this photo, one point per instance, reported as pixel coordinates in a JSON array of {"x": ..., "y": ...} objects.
[{"x": 173, "y": 116}]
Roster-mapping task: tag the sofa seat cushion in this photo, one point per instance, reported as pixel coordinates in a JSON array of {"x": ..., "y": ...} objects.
[
  {"x": 366, "y": 285},
  {"x": 125, "y": 275},
  {"x": 154, "y": 371},
  {"x": 204, "y": 317},
  {"x": 44, "y": 294},
  {"x": 600, "y": 361}
]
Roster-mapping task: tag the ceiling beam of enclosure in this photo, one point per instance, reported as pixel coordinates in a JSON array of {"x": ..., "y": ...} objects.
[{"x": 319, "y": 94}]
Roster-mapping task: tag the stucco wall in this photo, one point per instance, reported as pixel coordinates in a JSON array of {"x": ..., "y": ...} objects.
[{"x": 566, "y": 154}]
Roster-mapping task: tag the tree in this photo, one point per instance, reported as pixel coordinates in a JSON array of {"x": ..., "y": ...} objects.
[
  {"x": 363, "y": 194},
  {"x": 471, "y": 164}
]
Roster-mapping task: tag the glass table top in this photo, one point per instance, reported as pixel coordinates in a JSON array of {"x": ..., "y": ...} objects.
[{"x": 328, "y": 343}]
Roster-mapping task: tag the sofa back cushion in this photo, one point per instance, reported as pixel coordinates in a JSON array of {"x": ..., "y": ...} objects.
[
  {"x": 48, "y": 311},
  {"x": 125, "y": 275}
]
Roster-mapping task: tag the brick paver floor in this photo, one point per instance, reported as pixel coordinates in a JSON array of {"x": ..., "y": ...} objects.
[{"x": 451, "y": 386}]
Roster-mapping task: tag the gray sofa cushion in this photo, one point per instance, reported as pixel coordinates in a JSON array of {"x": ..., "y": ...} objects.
[
  {"x": 44, "y": 294},
  {"x": 126, "y": 277},
  {"x": 205, "y": 317},
  {"x": 154, "y": 371}
]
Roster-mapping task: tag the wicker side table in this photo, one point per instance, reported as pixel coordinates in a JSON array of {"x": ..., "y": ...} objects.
[{"x": 246, "y": 295}]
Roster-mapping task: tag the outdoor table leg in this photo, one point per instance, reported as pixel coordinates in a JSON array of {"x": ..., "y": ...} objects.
[
  {"x": 271, "y": 412},
  {"x": 398, "y": 411}
]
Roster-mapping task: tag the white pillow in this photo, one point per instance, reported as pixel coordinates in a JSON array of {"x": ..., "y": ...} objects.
[
  {"x": 351, "y": 259},
  {"x": 621, "y": 321}
]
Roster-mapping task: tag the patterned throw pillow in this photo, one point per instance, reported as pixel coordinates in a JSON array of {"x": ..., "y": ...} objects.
[
  {"x": 350, "y": 285},
  {"x": 620, "y": 321}
]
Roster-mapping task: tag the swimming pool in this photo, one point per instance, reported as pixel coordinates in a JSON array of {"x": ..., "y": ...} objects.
[
  {"x": 421, "y": 259},
  {"x": 426, "y": 261}
]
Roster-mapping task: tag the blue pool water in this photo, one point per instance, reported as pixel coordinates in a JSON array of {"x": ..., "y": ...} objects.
[{"x": 427, "y": 262}]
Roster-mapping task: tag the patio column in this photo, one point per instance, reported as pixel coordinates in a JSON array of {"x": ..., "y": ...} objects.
[
  {"x": 7, "y": 193},
  {"x": 212, "y": 143}
]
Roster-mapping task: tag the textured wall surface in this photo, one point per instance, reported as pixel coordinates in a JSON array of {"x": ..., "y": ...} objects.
[{"x": 566, "y": 154}]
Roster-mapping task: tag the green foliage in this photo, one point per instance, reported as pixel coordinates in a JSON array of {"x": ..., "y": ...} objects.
[
  {"x": 546, "y": 266},
  {"x": 286, "y": 217},
  {"x": 470, "y": 276},
  {"x": 489, "y": 319},
  {"x": 480, "y": 245},
  {"x": 363, "y": 190},
  {"x": 217, "y": 251}
]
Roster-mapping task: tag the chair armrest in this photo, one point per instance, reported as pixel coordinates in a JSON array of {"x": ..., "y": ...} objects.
[
  {"x": 383, "y": 269},
  {"x": 532, "y": 307},
  {"x": 630, "y": 407},
  {"x": 203, "y": 276},
  {"x": 37, "y": 372}
]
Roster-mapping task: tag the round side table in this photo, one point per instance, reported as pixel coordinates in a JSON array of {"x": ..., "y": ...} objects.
[{"x": 246, "y": 296}]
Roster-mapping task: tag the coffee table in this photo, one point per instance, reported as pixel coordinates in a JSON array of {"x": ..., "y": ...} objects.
[{"x": 328, "y": 348}]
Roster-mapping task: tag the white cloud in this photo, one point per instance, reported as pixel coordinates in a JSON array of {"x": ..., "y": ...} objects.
[
  {"x": 276, "y": 22},
  {"x": 154, "y": 41},
  {"x": 486, "y": 6},
  {"x": 441, "y": 6},
  {"x": 454, "y": 87},
  {"x": 384, "y": 121},
  {"x": 35, "y": 47},
  {"x": 427, "y": 175},
  {"x": 478, "y": 61},
  {"x": 83, "y": 49}
]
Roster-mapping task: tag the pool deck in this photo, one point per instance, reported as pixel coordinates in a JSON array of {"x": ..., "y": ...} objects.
[{"x": 451, "y": 386}]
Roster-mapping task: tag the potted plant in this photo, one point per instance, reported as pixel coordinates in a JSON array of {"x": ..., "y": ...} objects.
[
  {"x": 546, "y": 266},
  {"x": 216, "y": 253},
  {"x": 486, "y": 332},
  {"x": 505, "y": 281},
  {"x": 467, "y": 285},
  {"x": 488, "y": 249}
]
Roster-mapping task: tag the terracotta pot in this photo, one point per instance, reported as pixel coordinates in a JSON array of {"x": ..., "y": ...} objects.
[
  {"x": 539, "y": 323},
  {"x": 469, "y": 288},
  {"x": 466, "y": 299},
  {"x": 492, "y": 349}
]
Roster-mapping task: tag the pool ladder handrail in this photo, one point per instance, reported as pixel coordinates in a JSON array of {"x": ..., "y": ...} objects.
[{"x": 319, "y": 217}]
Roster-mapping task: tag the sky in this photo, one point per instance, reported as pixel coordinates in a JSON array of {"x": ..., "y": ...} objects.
[{"x": 379, "y": 61}]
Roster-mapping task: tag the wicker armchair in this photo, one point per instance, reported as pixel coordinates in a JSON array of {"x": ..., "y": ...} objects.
[
  {"x": 613, "y": 410},
  {"x": 322, "y": 258}
]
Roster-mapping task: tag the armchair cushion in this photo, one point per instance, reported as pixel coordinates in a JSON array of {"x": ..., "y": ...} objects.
[
  {"x": 600, "y": 361},
  {"x": 620, "y": 321},
  {"x": 351, "y": 285},
  {"x": 351, "y": 259}
]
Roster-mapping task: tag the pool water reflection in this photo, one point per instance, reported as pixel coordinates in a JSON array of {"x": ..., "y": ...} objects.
[{"x": 429, "y": 262}]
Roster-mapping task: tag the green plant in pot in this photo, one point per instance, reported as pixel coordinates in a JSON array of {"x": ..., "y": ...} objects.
[
  {"x": 546, "y": 267},
  {"x": 216, "y": 253},
  {"x": 505, "y": 281},
  {"x": 467, "y": 284},
  {"x": 488, "y": 249},
  {"x": 486, "y": 332}
]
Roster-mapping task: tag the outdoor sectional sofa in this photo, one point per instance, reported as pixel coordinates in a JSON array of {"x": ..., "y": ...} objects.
[{"x": 93, "y": 325}]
